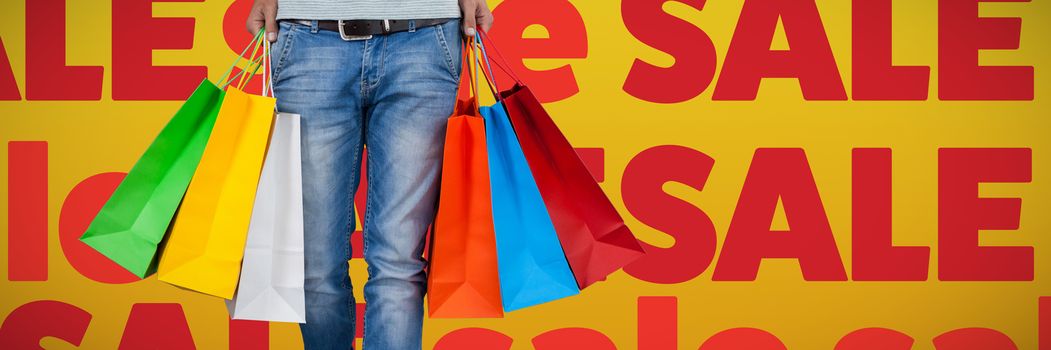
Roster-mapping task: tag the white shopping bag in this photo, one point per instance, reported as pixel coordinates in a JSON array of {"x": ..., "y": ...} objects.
[{"x": 271, "y": 283}]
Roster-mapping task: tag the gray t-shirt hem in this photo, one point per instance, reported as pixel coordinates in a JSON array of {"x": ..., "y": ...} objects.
[{"x": 367, "y": 9}]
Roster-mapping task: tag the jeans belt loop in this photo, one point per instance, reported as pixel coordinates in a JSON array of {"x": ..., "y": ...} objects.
[
  {"x": 412, "y": 25},
  {"x": 313, "y": 27}
]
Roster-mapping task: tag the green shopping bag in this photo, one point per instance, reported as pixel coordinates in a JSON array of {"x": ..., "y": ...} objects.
[
  {"x": 133, "y": 222},
  {"x": 135, "y": 218}
]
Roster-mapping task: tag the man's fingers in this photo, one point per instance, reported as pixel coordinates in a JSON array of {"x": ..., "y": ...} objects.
[
  {"x": 485, "y": 21},
  {"x": 253, "y": 23},
  {"x": 468, "y": 27},
  {"x": 270, "y": 16},
  {"x": 468, "y": 18}
]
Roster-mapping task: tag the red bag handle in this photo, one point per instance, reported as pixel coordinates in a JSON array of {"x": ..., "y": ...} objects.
[
  {"x": 468, "y": 105},
  {"x": 487, "y": 71},
  {"x": 487, "y": 41}
]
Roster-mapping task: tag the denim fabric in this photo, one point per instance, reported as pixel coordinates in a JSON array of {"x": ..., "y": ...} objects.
[{"x": 393, "y": 93}]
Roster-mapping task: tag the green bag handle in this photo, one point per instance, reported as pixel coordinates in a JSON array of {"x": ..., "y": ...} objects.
[{"x": 253, "y": 64}]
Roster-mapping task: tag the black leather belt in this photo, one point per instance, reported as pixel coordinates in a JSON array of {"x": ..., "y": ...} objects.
[{"x": 366, "y": 28}]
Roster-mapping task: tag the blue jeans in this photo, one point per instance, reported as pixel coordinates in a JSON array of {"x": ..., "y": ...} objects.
[{"x": 393, "y": 93}]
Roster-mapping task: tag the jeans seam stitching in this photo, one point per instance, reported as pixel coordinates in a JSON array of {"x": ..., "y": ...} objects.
[
  {"x": 380, "y": 65},
  {"x": 439, "y": 33},
  {"x": 284, "y": 52},
  {"x": 364, "y": 84}
]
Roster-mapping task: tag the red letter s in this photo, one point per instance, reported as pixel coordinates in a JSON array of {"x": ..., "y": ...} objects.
[
  {"x": 691, "y": 47},
  {"x": 692, "y": 229}
]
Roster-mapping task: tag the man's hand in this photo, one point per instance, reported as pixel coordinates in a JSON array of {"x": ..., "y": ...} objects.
[
  {"x": 264, "y": 14},
  {"x": 475, "y": 13}
]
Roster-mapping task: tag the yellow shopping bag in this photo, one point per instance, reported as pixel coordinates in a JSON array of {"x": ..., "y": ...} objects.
[{"x": 207, "y": 242}]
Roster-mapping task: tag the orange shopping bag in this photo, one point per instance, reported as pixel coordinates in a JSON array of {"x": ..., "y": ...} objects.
[{"x": 462, "y": 278}]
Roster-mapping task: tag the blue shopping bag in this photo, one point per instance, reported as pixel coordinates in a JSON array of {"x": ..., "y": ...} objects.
[{"x": 531, "y": 264}]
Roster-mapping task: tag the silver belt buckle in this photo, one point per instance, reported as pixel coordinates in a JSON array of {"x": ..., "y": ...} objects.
[{"x": 346, "y": 37}]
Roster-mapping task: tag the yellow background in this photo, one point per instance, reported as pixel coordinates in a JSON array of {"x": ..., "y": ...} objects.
[{"x": 86, "y": 138}]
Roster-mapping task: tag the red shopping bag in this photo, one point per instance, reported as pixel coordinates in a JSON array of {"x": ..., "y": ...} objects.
[
  {"x": 463, "y": 281},
  {"x": 593, "y": 235}
]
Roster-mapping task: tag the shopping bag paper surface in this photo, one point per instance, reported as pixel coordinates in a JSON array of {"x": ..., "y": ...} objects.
[
  {"x": 463, "y": 278},
  {"x": 533, "y": 267},
  {"x": 133, "y": 222},
  {"x": 207, "y": 241},
  {"x": 594, "y": 236},
  {"x": 271, "y": 283}
]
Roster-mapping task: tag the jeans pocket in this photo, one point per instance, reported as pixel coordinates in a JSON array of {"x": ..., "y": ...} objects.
[
  {"x": 448, "y": 37},
  {"x": 280, "y": 48}
]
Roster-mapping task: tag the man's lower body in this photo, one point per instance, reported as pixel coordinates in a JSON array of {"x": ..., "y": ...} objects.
[{"x": 393, "y": 93}]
